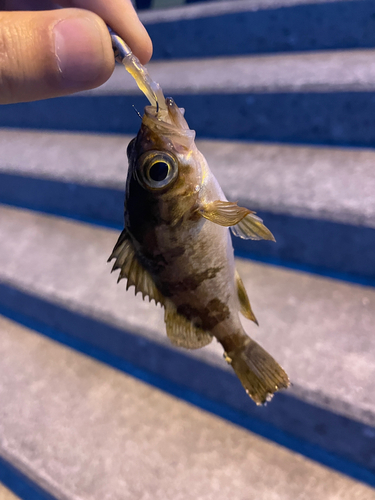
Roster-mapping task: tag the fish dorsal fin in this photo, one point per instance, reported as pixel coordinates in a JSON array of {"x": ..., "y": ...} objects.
[
  {"x": 224, "y": 213},
  {"x": 244, "y": 300},
  {"x": 251, "y": 227},
  {"x": 181, "y": 332},
  {"x": 131, "y": 269}
]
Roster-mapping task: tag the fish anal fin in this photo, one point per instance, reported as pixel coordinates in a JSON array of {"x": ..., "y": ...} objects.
[
  {"x": 132, "y": 270},
  {"x": 258, "y": 372},
  {"x": 251, "y": 227},
  {"x": 181, "y": 332},
  {"x": 224, "y": 213},
  {"x": 245, "y": 306}
]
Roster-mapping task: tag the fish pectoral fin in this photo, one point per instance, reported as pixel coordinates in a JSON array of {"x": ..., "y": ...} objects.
[
  {"x": 132, "y": 270},
  {"x": 224, "y": 213},
  {"x": 245, "y": 306},
  {"x": 251, "y": 227},
  {"x": 181, "y": 332}
]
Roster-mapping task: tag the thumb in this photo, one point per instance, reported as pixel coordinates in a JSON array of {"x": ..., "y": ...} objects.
[{"x": 52, "y": 53}]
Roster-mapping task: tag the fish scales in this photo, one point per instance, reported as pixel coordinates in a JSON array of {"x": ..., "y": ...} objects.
[{"x": 176, "y": 247}]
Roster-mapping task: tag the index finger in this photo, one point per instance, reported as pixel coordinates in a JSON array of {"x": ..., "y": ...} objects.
[{"x": 122, "y": 18}]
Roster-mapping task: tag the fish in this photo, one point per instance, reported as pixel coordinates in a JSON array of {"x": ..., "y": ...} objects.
[{"x": 176, "y": 249}]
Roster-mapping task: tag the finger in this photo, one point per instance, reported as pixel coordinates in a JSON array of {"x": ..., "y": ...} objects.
[
  {"x": 121, "y": 17},
  {"x": 27, "y": 5},
  {"x": 52, "y": 53}
]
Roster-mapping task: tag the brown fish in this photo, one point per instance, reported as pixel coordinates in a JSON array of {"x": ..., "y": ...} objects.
[{"x": 176, "y": 247}]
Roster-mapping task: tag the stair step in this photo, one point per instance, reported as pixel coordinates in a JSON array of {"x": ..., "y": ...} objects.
[
  {"x": 247, "y": 26},
  {"x": 54, "y": 272},
  {"x": 317, "y": 201},
  {"x": 304, "y": 98},
  {"x": 85, "y": 430},
  {"x": 315, "y": 72}
]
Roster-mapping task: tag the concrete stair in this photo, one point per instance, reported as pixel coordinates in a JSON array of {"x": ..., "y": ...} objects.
[
  {"x": 53, "y": 272},
  {"x": 94, "y": 401},
  {"x": 260, "y": 26},
  {"x": 311, "y": 198},
  {"x": 130, "y": 440},
  {"x": 322, "y": 98}
]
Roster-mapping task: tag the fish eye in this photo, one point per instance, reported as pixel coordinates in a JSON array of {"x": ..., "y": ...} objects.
[{"x": 157, "y": 169}]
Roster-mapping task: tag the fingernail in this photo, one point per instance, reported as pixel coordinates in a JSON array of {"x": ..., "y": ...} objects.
[{"x": 78, "y": 49}]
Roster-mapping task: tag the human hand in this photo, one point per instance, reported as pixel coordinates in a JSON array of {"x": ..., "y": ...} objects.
[{"x": 47, "y": 51}]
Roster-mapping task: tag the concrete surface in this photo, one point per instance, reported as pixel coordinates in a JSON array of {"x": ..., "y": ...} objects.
[
  {"x": 5, "y": 494},
  {"x": 330, "y": 118},
  {"x": 320, "y": 330},
  {"x": 328, "y": 71},
  {"x": 335, "y": 184},
  {"x": 217, "y": 8},
  {"x": 262, "y": 26},
  {"x": 311, "y": 198},
  {"x": 82, "y": 430}
]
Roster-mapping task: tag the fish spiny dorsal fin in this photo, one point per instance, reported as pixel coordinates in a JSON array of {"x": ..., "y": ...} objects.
[
  {"x": 131, "y": 269},
  {"x": 181, "y": 332},
  {"x": 251, "y": 227},
  {"x": 224, "y": 213},
  {"x": 244, "y": 300}
]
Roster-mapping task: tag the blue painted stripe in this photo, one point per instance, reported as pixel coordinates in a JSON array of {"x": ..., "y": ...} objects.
[
  {"x": 315, "y": 432},
  {"x": 306, "y": 27},
  {"x": 322, "y": 247},
  {"x": 337, "y": 118},
  {"x": 20, "y": 484},
  {"x": 249, "y": 417}
]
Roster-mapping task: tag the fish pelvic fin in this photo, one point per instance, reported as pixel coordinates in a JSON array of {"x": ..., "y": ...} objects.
[
  {"x": 245, "y": 306},
  {"x": 251, "y": 227},
  {"x": 132, "y": 270},
  {"x": 181, "y": 332},
  {"x": 258, "y": 372},
  {"x": 224, "y": 213}
]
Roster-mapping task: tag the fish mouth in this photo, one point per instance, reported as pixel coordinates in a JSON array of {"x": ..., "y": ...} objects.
[{"x": 170, "y": 123}]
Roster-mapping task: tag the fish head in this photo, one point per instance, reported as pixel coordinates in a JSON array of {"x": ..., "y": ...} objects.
[{"x": 165, "y": 167}]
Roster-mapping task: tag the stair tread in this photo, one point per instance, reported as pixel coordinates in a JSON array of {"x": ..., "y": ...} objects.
[
  {"x": 320, "y": 330},
  {"x": 320, "y": 71},
  {"x": 217, "y": 8},
  {"x": 335, "y": 184},
  {"x": 87, "y": 431}
]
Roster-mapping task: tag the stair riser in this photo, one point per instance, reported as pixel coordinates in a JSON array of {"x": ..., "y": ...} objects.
[
  {"x": 346, "y": 118},
  {"x": 324, "y": 245},
  {"x": 295, "y": 28},
  {"x": 186, "y": 376}
]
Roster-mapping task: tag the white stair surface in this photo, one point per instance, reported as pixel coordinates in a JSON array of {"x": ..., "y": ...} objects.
[
  {"x": 320, "y": 71},
  {"x": 335, "y": 184},
  {"x": 320, "y": 330},
  {"x": 218, "y": 8},
  {"x": 84, "y": 431}
]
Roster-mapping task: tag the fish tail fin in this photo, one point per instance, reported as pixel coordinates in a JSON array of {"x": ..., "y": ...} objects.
[{"x": 258, "y": 372}]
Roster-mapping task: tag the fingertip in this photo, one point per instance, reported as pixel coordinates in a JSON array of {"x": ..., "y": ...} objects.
[{"x": 83, "y": 50}]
